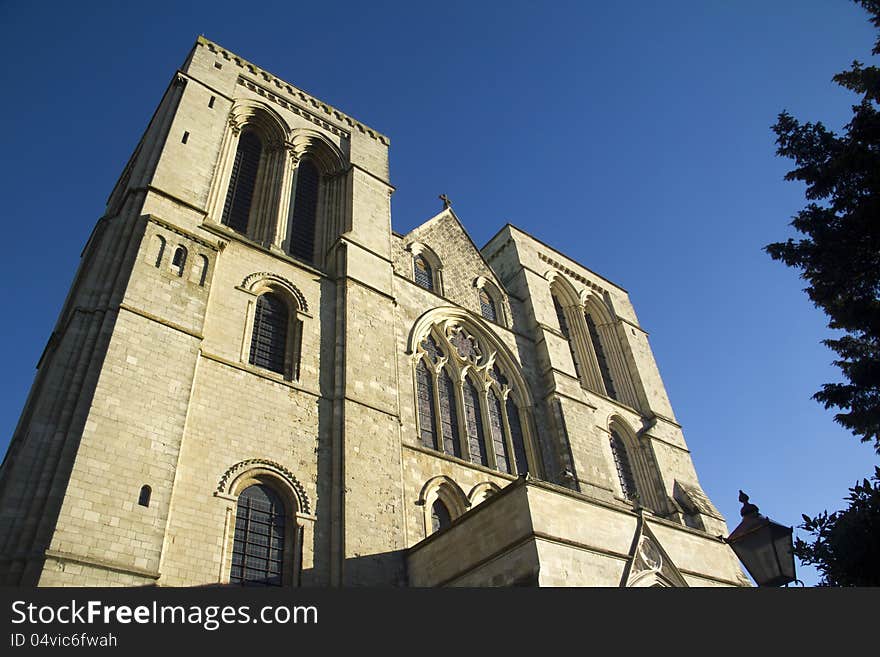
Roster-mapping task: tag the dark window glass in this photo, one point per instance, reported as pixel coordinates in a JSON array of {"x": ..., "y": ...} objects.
[
  {"x": 144, "y": 498},
  {"x": 448, "y": 415},
  {"x": 465, "y": 345},
  {"x": 431, "y": 348},
  {"x": 179, "y": 260},
  {"x": 516, "y": 437},
  {"x": 487, "y": 306},
  {"x": 423, "y": 274},
  {"x": 621, "y": 462},
  {"x": 497, "y": 430},
  {"x": 269, "y": 341},
  {"x": 258, "y": 547},
  {"x": 242, "y": 182},
  {"x": 600, "y": 356},
  {"x": 305, "y": 209},
  {"x": 474, "y": 422},
  {"x": 425, "y": 385},
  {"x": 563, "y": 326},
  {"x": 440, "y": 518}
]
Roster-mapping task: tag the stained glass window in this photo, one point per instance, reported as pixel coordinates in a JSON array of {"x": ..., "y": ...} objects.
[
  {"x": 516, "y": 437},
  {"x": 258, "y": 547},
  {"x": 269, "y": 341},
  {"x": 242, "y": 182},
  {"x": 448, "y": 415},
  {"x": 497, "y": 430},
  {"x": 621, "y": 462},
  {"x": 425, "y": 385},
  {"x": 423, "y": 275},
  {"x": 465, "y": 345},
  {"x": 305, "y": 208},
  {"x": 431, "y": 348},
  {"x": 600, "y": 356},
  {"x": 474, "y": 423}
]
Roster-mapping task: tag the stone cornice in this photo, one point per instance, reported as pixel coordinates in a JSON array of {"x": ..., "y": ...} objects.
[{"x": 295, "y": 96}]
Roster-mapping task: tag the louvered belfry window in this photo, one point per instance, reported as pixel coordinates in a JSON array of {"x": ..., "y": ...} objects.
[
  {"x": 425, "y": 385},
  {"x": 600, "y": 356},
  {"x": 423, "y": 274},
  {"x": 269, "y": 341},
  {"x": 448, "y": 415},
  {"x": 305, "y": 211},
  {"x": 258, "y": 547},
  {"x": 624, "y": 469},
  {"x": 242, "y": 183},
  {"x": 487, "y": 306},
  {"x": 497, "y": 431}
]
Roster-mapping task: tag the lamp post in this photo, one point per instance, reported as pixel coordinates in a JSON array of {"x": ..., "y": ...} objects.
[{"x": 763, "y": 546}]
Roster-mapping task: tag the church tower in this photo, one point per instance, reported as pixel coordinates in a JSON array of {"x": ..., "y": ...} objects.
[{"x": 253, "y": 379}]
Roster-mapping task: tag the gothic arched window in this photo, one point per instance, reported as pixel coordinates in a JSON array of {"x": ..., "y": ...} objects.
[
  {"x": 487, "y": 306},
  {"x": 258, "y": 547},
  {"x": 242, "y": 183},
  {"x": 144, "y": 497},
  {"x": 424, "y": 277},
  {"x": 622, "y": 463},
  {"x": 563, "y": 326},
  {"x": 269, "y": 338},
  {"x": 466, "y": 405},
  {"x": 305, "y": 211}
]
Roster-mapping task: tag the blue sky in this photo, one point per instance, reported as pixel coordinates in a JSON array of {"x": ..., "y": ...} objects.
[{"x": 633, "y": 137}]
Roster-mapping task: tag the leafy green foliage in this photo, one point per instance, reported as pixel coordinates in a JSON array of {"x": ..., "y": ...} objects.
[
  {"x": 840, "y": 253},
  {"x": 846, "y": 544}
]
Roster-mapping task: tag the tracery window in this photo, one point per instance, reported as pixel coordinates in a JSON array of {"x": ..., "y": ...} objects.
[
  {"x": 466, "y": 406},
  {"x": 258, "y": 548}
]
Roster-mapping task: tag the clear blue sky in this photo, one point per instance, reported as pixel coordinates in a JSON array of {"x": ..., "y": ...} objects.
[{"x": 635, "y": 137}]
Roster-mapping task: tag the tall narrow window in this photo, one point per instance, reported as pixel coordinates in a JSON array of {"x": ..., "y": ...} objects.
[
  {"x": 474, "y": 423},
  {"x": 624, "y": 469},
  {"x": 305, "y": 210},
  {"x": 425, "y": 385},
  {"x": 269, "y": 341},
  {"x": 563, "y": 326},
  {"x": 600, "y": 356},
  {"x": 448, "y": 415},
  {"x": 144, "y": 497},
  {"x": 487, "y": 306},
  {"x": 237, "y": 207},
  {"x": 497, "y": 431},
  {"x": 423, "y": 275},
  {"x": 440, "y": 518},
  {"x": 516, "y": 437},
  {"x": 178, "y": 262},
  {"x": 258, "y": 548}
]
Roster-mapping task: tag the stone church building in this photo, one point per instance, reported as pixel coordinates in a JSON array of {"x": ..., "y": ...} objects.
[{"x": 255, "y": 380}]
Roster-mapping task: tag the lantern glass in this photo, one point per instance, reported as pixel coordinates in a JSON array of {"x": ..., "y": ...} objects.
[{"x": 765, "y": 549}]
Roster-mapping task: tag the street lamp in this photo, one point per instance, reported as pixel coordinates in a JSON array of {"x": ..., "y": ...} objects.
[{"x": 763, "y": 546}]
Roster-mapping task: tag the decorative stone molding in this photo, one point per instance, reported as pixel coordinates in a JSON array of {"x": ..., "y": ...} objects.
[
  {"x": 251, "y": 281},
  {"x": 573, "y": 274},
  {"x": 225, "y": 484}
]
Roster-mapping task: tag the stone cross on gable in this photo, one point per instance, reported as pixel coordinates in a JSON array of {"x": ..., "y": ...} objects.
[{"x": 446, "y": 202}]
